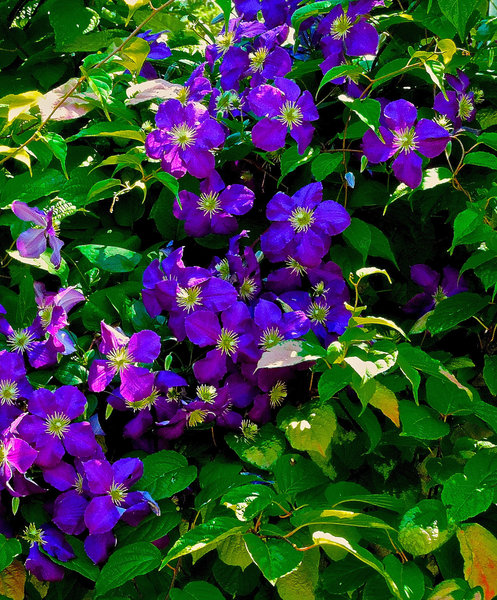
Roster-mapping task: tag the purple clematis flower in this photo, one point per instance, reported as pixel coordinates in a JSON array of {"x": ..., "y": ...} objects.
[
  {"x": 185, "y": 139},
  {"x": 215, "y": 209},
  {"x": 158, "y": 51},
  {"x": 347, "y": 32},
  {"x": 13, "y": 383},
  {"x": 54, "y": 544},
  {"x": 406, "y": 140},
  {"x": 436, "y": 288},
  {"x": 196, "y": 87},
  {"x": 234, "y": 340},
  {"x": 460, "y": 104},
  {"x": 33, "y": 242},
  {"x": 110, "y": 486},
  {"x": 238, "y": 31},
  {"x": 302, "y": 226},
  {"x": 274, "y": 12},
  {"x": 121, "y": 353},
  {"x": 276, "y": 326},
  {"x": 49, "y": 427},
  {"x": 284, "y": 109},
  {"x": 16, "y": 457}
]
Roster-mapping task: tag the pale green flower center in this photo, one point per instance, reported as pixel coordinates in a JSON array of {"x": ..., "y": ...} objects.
[
  {"x": 9, "y": 391},
  {"x": 249, "y": 429},
  {"x": 301, "y": 219},
  {"x": 21, "y": 340},
  {"x": 207, "y": 393},
  {"x": 183, "y": 135},
  {"x": 189, "y": 298},
  {"x": 340, "y": 27},
  {"x": 209, "y": 204},
  {"x": 57, "y": 424},
  {"x": 277, "y": 394},
  {"x": 197, "y": 417},
  {"x": 33, "y": 535},
  {"x": 3, "y": 454},
  {"x": 46, "y": 315},
  {"x": 119, "y": 358},
  {"x": 466, "y": 107},
  {"x": 183, "y": 94},
  {"x": 227, "y": 341},
  {"x": 318, "y": 313},
  {"x": 257, "y": 60},
  {"x": 295, "y": 267},
  {"x": 439, "y": 295},
  {"x": 78, "y": 484},
  {"x": 290, "y": 114},
  {"x": 223, "y": 268},
  {"x": 118, "y": 493},
  {"x": 405, "y": 140},
  {"x": 270, "y": 337},
  {"x": 319, "y": 289},
  {"x": 248, "y": 288},
  {"x": 225, "y": 41},
  {"x": 144, "y": 402}
]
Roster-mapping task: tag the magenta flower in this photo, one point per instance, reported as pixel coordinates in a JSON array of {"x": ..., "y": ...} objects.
[
  {"x": 405, "y": 139},
  {"x": 302, "y": 226},
  {"x": 284, "y": 110},
  {"x": 121, "y": 352},
  {"x": 33, "y": 242},
  {"x": 16, "y": 457},
  {"x": 215, "y": 209},
  {"x": 185, "y": 139}
]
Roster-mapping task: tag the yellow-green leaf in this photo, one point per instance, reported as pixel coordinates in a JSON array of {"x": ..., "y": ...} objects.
[
  {"x": 385, "y": 400},
  {"x": 18, "y": 104},
  {"x": 12, "y": 581},
  {"x": 20, "y": 155},
  {"x": 479, "y": 551},
  {"x": 447, "y": 48}
]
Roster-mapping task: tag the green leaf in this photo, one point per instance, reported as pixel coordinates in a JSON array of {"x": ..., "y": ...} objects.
[
  {"x": 301, "y": 583},
  {"x": 197, "y": 590},
  {"x": 110, "y": 258},
  {"x": 9, "y": 549},
  {"x": 489, "y": 139},
  {"x": 352, "y": 71},
  {"x": 454, "y": 310},
  {"x": 380, "y": 246},
  {"x": 133, "y": 55},
  {"x": 30, "y": 188},
  {"x": 294, "y": 473},
  {"x": 490, "y": 373},
  {"x": 225, "y": 6},
  {"x": 312, "y": 10},
  {"x": 324, "y": 164},
  {"x": 166, "y": 473},
  {"x": 407, "y": 576},
  {"x": 69, "y": 20},
  {"x": 58, "y": 146},
  {"x": 101, "y": 189},
  {"x": 310, "y": 427},
  {"x": 118, "y": 129},
  {"x": 126, "y": 563},
  {"x": 446, "y": 398},
  {"x": 368, "y": 110},
  {"x": 325, "y": 516},
  {"x": 378, "y": 321},
  {"x": 267, "y": 446},
  {"x": 481, "y": 159},
  {"x": 247, "y": 501},
  {"x": 358, "y": 236},
  {"x": 470, "y": 493},
  {"x": 333, "y": 380},
  {"x": 170, "y": 182},
  {"x": 291, "y": 159},
  {"x": 421, "y": 422},
  {"x": 152, "y": 527},
  {"x": 204, "y": 537},
  {"x": 322, "y": 538},
  {"x": 458, "y": 13},
  {"x": 274, "y": 557}
]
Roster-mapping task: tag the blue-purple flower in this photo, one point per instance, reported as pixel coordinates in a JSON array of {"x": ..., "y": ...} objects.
[
  {"x": 185, "y": 139},
  {"x": 435, "y": 288},
  {"x": 405, "y": 139},
  {"x": 302, "y": 226},
  {"x": 460, "y": 104},
  {"x": 54, "y": 544},
  {"x": 285, "y": 109},
  {"x": 33, "y": 242},
  {"x": 214, "y": 211}
]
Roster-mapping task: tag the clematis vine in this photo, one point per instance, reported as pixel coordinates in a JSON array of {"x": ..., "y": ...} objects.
[
  {"x": 406, "y": 140},
  {"x": 284, "y": 109},
  {"x": 185, "y": 138},
  {"x": 302, "y": 226},
  {"x": 121, "y": 354},
  {"x": 33, "y": 242},
  {"x": 214, "y": 211}
]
